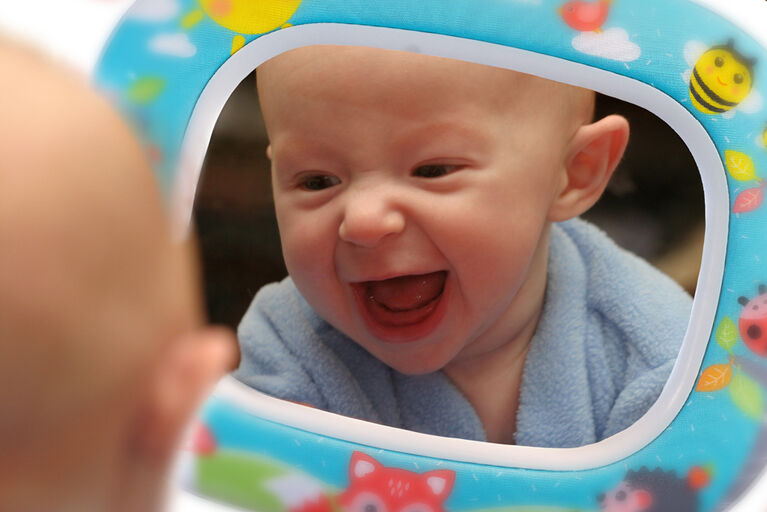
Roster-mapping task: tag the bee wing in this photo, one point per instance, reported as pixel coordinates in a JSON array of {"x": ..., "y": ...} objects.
[
  {"x": 686, "y": 75},
  {"x": 760, "y": 141},
  {"x": 693, "y": 50},
  {"x": 752, "y": 104},
  {"x": 729, "y": 114}
]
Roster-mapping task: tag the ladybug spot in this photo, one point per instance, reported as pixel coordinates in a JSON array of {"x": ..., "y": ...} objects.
[
  {"x": 755, "y": 307},
  {"x": 754, "y": 332}
]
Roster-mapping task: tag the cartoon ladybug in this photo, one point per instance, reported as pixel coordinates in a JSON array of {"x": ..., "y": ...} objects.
[{"x": 753, "y": 322}]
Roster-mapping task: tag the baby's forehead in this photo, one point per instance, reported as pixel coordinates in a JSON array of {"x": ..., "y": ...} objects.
[{"x": 369, "y": 76}]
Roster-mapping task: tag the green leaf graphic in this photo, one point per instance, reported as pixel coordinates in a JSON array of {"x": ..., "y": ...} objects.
[
  {"x": 747, "y": 396},
  {"x": 146, "y": 89},
  {"x": 726, "y": 334}
]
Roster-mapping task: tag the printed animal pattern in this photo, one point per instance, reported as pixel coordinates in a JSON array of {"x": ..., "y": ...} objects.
[
  {"x": 655, "y": 491},
  {"x": 721, "y": 79},
  {"x": 753, "y": 322},
  {"x": 375, "y": 488},
  {"x": 746, "y": 393},
  {"x": 165, "y": 53}
]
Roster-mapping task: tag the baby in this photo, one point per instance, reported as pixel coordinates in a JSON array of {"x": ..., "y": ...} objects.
[
  {"x": 104, "y": 352},
  {"x": 434, "y": 283}
]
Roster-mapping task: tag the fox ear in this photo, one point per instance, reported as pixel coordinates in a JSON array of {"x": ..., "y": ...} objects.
[
  {"x": 361, "y": 466},
  {"x": 440, "y": 482}
]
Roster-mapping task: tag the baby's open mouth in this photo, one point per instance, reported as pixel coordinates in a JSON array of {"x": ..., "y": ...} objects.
[
  {"x": 403, "y": 309},
  {"x": 406, "y": 293}
]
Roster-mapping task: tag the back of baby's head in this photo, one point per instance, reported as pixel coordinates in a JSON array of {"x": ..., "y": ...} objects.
[{"x": 86, "y": 265}]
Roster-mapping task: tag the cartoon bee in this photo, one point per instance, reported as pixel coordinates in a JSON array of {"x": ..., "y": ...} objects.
[
  {"x": 753, "y": 322},
  {"x": 721, "y": 79}
]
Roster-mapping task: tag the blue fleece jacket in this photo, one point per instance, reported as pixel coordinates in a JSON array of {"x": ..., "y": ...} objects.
[{"x": 609, "y": 333}]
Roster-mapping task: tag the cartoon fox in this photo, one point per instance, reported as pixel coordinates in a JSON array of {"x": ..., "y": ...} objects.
[{"x": 372, "y": 488}]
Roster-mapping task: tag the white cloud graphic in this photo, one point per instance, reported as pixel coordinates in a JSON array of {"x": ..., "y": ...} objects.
[
  {"x": 154, "y": 10},
  {"x": 175, "y": 45},
  {"x": 612, "y": 44}
]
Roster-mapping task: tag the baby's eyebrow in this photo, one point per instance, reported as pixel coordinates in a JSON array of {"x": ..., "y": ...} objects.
[
  {"x": 290, "y": 146},
  {"x": 452, "y": 131}
]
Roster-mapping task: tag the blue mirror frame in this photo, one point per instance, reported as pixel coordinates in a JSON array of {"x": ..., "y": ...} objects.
[{"x": 171, "y": 65}]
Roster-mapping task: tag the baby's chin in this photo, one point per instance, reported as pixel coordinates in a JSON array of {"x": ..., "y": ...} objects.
[{"x": 412, "y": 363}]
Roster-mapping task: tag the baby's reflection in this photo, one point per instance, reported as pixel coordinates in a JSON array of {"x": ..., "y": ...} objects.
[{"x": 440, "y": 280}]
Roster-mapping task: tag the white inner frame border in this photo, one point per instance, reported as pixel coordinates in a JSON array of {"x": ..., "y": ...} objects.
[{"x": 680, "y": 382}]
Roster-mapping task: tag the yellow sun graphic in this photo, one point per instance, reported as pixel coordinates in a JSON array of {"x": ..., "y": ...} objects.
[{"x": 244, "y": 16}]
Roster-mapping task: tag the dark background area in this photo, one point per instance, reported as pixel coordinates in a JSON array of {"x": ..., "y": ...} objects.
[{"x": 653, "y": 205}]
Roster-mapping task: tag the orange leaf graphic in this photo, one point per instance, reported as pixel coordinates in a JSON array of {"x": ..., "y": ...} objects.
[
  {"x": 714, "y": 378},
  {"x": 748, "y": 200}
]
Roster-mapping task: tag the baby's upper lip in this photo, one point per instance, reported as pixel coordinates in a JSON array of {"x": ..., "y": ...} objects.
[{"x": 392, "y": 275}]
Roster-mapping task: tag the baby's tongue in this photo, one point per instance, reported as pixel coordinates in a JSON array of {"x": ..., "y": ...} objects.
[{"x": 407, "y": 292}]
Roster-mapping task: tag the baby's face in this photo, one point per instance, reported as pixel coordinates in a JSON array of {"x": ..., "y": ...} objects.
[{"x": 413, "y": 196}]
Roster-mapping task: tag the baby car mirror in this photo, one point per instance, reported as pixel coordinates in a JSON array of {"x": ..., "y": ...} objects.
[
  {"x": 171, "y": 65},
  {"x": 655, "y": 200}
]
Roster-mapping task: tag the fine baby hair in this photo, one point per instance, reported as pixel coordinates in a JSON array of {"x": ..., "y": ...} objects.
[{"x": 172, "y": 65}]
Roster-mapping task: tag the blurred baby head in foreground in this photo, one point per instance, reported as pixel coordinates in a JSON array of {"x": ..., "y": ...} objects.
[{"x": 105, "y": 353}]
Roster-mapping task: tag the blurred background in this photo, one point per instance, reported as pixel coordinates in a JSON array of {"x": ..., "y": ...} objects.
[{"x": 653, "y": 205}]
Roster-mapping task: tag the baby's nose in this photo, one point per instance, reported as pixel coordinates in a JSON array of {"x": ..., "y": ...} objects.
[{"x": 369, "y": 218}]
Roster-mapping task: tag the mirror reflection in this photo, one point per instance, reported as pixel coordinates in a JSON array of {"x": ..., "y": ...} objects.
[{"x": 438, "y": 222}]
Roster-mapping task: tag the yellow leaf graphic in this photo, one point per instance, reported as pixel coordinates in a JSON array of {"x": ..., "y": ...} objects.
[
  {"x": 740, "y": 165},
  {"x": 714, "y": 378}
]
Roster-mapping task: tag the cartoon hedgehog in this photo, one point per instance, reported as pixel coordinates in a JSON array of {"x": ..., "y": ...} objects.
[
  {"x": 721, "y": 79},
  {"x": 655, "y": 491},
  {"x": 753, "y": 322}
]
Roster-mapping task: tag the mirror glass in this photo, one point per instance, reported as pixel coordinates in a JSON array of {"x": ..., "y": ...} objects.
[{"x": 474, "y": 252}]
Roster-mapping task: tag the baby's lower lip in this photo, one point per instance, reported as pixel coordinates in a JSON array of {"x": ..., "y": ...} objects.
[{"x": 401, "y": 326}]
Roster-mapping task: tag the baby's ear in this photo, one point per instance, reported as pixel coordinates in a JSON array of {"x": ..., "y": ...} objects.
[
  {"x": 592, "y": 156},
  {"x": 269, "y": 152},
  {"x": 183, "y": 377}
]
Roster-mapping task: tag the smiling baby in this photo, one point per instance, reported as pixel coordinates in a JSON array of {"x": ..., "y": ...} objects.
[{"x": 437, "y": 282}]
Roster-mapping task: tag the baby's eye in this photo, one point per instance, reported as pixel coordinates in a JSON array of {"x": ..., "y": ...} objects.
[
  {"x": 435, "y": 170},
  {"x": 319, "y": 182}
]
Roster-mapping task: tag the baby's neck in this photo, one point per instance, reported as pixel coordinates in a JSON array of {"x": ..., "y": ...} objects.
[
  {"x": 491, "y": 383},
  {"x": 490, "y": 374}
]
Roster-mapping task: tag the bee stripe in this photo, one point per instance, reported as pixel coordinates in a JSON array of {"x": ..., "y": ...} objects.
[
  {"x": 703, "y": 102},
  {"x": 709, "y": 92}
]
